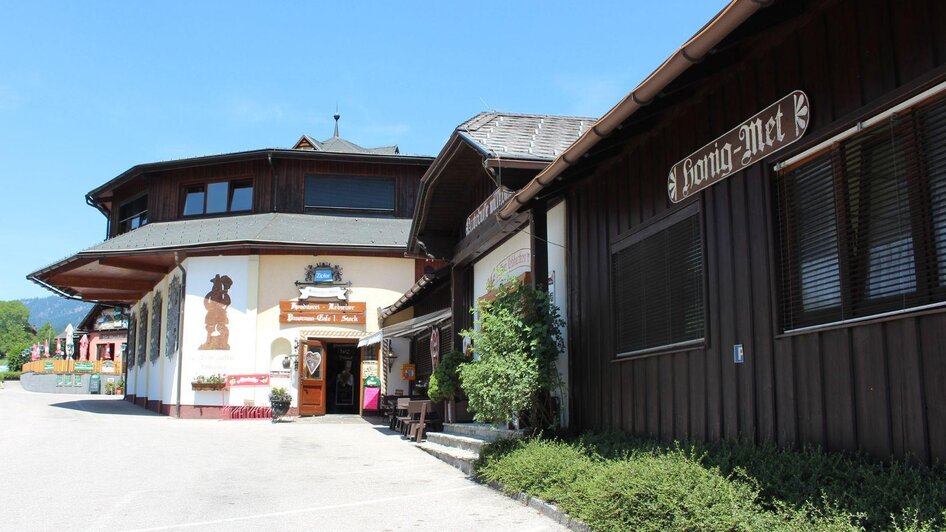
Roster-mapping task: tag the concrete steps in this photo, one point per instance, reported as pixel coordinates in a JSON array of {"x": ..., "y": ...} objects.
[{"x": 460, "y": 443}]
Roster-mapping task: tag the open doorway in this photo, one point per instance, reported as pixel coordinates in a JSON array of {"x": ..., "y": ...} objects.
[{"x": 344, "y": 378}]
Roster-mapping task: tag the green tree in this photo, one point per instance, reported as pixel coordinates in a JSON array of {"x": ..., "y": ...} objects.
[
  {"x": 46, "y": 332},
  {"x": 517, "y": 340},
  {"x": 16, "y": 333}
]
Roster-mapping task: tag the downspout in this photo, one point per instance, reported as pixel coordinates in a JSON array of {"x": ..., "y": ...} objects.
[
  {"x": 272, "y": 177},
  {"x": 180, "y": 334}
]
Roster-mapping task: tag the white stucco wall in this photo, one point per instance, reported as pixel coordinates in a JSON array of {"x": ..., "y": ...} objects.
[
  {"x": 241, "y": 315},
  {"x": 558, "y": 288}
]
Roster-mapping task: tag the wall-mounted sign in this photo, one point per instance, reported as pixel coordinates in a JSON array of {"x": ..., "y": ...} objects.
[
  {"x": 253, "y": 379},
  {"x": 108, "y": 366},
  {"x": 336, "y": 308},
  {"x": 770, "y": 130},
  {"x": 322, "y": 317},
  {"x": 487, "y": 208},
  {"x": 48, "y": 366},
  {"x": 323, "y": 272},
  {"x": 369, "y": 368},
  {"x": 323, "y": 292},
  {"x": 280, "y": 374},
  {"x": 408, "y": 371},
  {"x": 111, "y": 319},
  {"x": 327, "y": 313},
  {"x": 514, "y": 265},
  {"x": 85, "y": 366}
]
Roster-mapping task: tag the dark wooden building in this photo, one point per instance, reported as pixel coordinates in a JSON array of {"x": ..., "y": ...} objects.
[{"x": 824, "y": 260}]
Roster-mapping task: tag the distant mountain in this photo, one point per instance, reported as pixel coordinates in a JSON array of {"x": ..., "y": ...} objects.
[{"x": 58, "y": 311}]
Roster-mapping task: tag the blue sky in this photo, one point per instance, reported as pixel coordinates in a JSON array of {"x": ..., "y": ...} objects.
[{"x": 88, "y": 90}]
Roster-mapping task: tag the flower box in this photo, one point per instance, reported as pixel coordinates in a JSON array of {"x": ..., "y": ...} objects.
[{"x": 207, "y": 386}]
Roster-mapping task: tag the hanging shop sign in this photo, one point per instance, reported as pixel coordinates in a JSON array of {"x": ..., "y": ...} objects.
[
  {"x": 435, "y": 345},
  {"x": 253, "y": 379},
  {"x": 775, "y": 127},
  {"x": 408, "y": 371},
  {"x": 326, "y": 312},
  {"x": 492, "y": 204}
]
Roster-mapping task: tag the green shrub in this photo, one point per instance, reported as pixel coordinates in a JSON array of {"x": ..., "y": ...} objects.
[
  {"x": 445, "y": 380},
  {"x": 517, "y": 340},
  {"x": 615, "y": 481},
  {"x": 10, "y": 376}
]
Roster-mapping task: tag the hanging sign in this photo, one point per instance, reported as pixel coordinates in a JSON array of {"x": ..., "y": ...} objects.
[
  {"x": 408, "y": 371},
  {"x": 435, "y": 346},
  {"x": 254, "y": 379},
  {"x": 770, "y": 130}
]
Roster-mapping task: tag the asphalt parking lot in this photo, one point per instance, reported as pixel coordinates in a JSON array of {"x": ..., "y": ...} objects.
[{"x": 99, "y": 463}]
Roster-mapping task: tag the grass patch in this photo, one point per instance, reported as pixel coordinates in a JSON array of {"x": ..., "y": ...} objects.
[{"x": 619, "y": 482}]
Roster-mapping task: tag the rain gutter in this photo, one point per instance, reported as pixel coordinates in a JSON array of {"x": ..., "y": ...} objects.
[{"x": 693, "y": 51}]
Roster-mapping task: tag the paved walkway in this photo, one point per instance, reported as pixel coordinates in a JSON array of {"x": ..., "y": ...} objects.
[{"x": 99, "y": 463}]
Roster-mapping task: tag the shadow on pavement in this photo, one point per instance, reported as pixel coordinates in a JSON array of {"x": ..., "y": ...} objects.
[{"x": 116, "y": 407}]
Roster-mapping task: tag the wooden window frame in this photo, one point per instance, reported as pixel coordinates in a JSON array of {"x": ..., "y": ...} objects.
[
  {"x": 121, "y": 221},
  {"x": 923, "y": 238},
  {"x": 239, "y": 182},
  {"x": 651, "y": 228}
]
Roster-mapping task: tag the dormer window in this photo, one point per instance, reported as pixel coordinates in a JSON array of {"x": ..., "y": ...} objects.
[
  {"x": 133, "y": 214},
  {"x": 218, "y": 198}
]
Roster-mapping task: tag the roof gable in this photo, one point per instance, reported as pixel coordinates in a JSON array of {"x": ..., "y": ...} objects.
[{"x": 523, "y": 136}]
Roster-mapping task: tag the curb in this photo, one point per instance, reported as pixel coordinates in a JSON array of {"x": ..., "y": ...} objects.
[{"x": 547, "y": 509}]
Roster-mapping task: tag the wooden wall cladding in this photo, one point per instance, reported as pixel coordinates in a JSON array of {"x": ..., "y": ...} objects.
[
  {"x": 165, "y": 189},
  {"x": 878, "y": 386}
]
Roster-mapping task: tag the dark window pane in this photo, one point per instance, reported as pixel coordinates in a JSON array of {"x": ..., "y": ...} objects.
[
  {"x": 217, "y": 196},
  {"x": 242, "y": 198},
  {"x": 658, "y": 289},
  {"x": 370, "y": 195},
  {"x": 933, "y": 139},
  {"x": 194, "y": 202},
  {"x": 133, "y": 214}
]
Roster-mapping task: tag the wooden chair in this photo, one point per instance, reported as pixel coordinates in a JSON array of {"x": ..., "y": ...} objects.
[
  {"x": 411, "y": 411},
  {"x": 429, "y": 418},
  {"x": 400, "y": 410}
]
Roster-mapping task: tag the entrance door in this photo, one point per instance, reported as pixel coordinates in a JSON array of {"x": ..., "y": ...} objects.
[
  {"x": 312, "y": 378},
  {"x": 343, "y": 379}
]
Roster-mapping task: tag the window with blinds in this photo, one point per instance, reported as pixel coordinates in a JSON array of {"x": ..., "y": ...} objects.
[
  {"x": 350, "y": 195},
  {"x": 862, "y": 227},
  {"x": 657, "y": 288}
]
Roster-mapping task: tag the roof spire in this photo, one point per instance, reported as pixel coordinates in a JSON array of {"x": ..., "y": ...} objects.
[{"x": 337, "y": 116}]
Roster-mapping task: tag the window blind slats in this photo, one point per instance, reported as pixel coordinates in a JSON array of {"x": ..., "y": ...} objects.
[
  {"x": 658, "y": 289},
  {"x": 863, "y": 227}
]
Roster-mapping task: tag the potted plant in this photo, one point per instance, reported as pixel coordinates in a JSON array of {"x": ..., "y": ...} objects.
[
  {"x": 279, "y": 400},
  {"x": 109, "y": 388},
  {"x": 120, "y": 387},
  {"x": 206, "y": 383}
]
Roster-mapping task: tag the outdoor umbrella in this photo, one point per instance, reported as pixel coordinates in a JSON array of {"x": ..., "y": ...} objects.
[
  {"x": 36, "y": 351},
  {"x": 58, "y": 347},
  {"x": 108, "y": 351},
  {"x": 46, "y": 348},
  {"x": 84, "y": 347}
]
